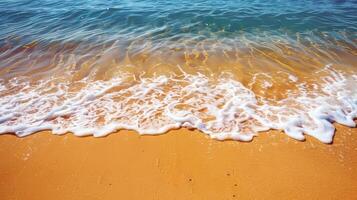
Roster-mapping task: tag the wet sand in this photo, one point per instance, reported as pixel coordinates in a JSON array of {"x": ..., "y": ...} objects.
[{"x": 181, "y": 164}]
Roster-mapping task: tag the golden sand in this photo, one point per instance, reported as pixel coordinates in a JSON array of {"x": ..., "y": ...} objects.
[{"x": 181, "y": 164}]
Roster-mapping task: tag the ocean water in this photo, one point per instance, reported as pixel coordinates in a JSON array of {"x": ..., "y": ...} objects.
[{"x": 230, "y": 69}]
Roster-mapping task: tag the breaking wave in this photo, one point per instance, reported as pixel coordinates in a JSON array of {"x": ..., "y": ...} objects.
[{"x": 221, "y": 106}]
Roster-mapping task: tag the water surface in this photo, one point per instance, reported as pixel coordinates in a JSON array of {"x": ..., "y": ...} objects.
[{"x": 230, "y": 69}]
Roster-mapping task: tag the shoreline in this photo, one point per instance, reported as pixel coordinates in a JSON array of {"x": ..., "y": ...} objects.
[{"x": 181, "y": 162}]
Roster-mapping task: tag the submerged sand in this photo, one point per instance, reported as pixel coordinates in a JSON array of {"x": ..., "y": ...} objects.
[{"x": 181, "y": 164}]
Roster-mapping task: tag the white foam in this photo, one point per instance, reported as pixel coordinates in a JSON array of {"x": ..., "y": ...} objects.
[{"x": 222, "y": 108}]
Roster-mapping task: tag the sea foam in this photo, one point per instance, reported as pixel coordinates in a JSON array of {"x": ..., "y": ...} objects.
[{"x": 221, "y": 107}]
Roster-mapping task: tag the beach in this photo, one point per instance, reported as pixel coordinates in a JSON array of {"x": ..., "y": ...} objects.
[
  {"x": 181, "y": 164},
  {"x": 185, "y": 99}
]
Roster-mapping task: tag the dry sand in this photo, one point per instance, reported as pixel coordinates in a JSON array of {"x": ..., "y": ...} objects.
[{"x": 181, "y": 164}]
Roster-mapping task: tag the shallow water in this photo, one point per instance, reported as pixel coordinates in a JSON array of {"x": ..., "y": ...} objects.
[{"x": 228, "y": 68}]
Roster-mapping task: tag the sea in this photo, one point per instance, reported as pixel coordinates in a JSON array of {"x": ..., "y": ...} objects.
[{"x": 231, "y": 69}]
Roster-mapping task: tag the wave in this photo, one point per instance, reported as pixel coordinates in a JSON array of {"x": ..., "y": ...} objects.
[
  {"x": 219, "y": 106},
  {"x": 229, "y": 70}
]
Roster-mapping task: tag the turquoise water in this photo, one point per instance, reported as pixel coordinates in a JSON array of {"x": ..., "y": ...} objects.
[
  {"x": 104, "y": 20},
  {"x": 230, "y": 69}
]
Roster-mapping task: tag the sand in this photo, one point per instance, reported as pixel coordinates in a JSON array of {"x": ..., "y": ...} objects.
[{"x": 181, "y": 164}]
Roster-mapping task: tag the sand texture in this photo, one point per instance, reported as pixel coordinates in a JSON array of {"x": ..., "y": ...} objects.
[{"x": 181, "y": 164}]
